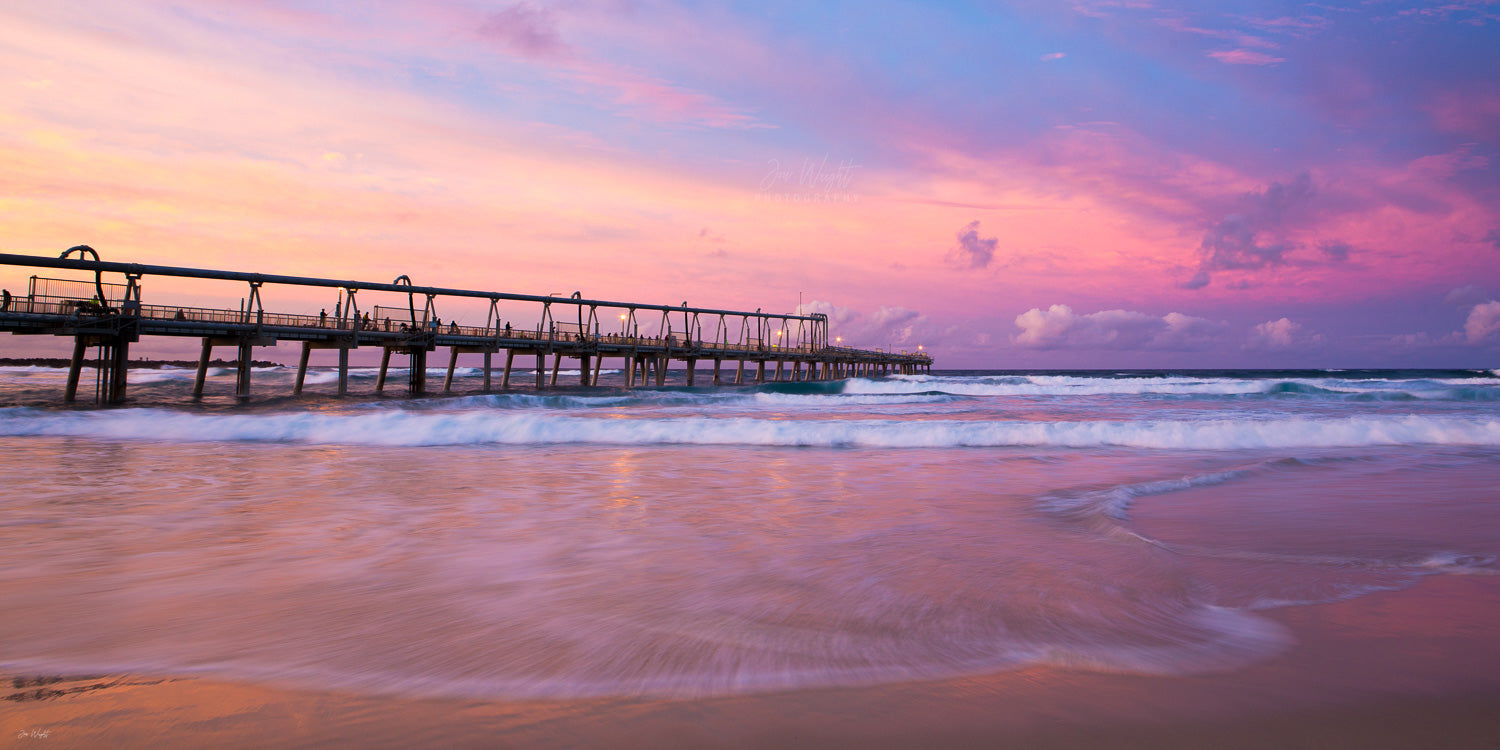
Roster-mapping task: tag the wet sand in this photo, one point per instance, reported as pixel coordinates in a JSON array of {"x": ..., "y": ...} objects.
[{"x": 1412, "y": 668}]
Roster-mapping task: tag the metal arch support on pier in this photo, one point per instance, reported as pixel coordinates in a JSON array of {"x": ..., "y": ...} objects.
[
  {"x": 103, "y": 300},
  {"x": 113, "y": 345},
  {"x": 411, "y": 300}
]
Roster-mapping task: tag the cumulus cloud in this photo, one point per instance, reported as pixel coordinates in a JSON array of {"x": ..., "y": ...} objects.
[
  {"x": 1281, "y": 335},
  {"x": 1187, "y": 333},
  {"x": 1058, "y": 327},
  {"x": 1050, "y": 56},
  {"x": 972, "y": 250},
  {"x": 1481, "y": 326},
  {"x": 896, "y": 325},
  {"x": 1483, "y": 323},
  {"x": 887, "y": 326}
]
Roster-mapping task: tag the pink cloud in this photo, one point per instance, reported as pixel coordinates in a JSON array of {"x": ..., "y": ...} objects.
[
  {"x": 1357, "y": 226},
  {"x": 1245, "y": 57},
  {"x": 662, "y": 100},
  {"x": 1256, "y": 234},
  {"x": 1237, "y": 37},
  {"x": 972, "y": 251},
  {"x": 1470, "y": 113},
  {"x": 535, "y": 33},
  {"x": 1103, "y": 8},
  {"x": 1472, "y": 12},
  {"x": 1300, "y": 25},
  {"x": 536, "y": 39},
  {"x": 1443, "y": 166}
]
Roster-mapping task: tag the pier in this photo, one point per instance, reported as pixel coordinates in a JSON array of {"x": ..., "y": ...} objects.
[{"x": 106, "y": 310}]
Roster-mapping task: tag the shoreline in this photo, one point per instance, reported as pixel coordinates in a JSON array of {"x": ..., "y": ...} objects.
[{"x": 1414, "y": 667}]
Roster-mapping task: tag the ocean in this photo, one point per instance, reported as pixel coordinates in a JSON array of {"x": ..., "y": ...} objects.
[{"x": 702, "y": 542}]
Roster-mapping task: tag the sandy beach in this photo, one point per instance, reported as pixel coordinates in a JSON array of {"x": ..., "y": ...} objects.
[{"x": 1412, "y": 668}]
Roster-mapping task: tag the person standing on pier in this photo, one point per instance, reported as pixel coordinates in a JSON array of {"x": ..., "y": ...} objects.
[
  {"x": 323, "y": 318},
  {"x": 5, "y": 301}
]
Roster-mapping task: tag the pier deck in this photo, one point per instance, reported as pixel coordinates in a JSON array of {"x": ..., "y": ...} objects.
[{"x": 111, "y": 315}]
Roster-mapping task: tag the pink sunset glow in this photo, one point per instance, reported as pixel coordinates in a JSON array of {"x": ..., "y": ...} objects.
[{"x": 1096, "y": 185}]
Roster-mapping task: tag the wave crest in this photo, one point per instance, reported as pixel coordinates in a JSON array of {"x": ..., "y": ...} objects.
[{"x": 515, "y": 427}]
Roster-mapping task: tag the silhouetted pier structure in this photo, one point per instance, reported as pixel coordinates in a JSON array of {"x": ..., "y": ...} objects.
[{"x": 111, "y": 316}]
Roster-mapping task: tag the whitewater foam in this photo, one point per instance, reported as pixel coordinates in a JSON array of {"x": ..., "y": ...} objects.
[
  {"x": 30, "y": 369},
  {"x": 1460, "y": 389},
  {"x": 1115, "y": 501},
  {"x": 428, "y": 428},
  {"x": 1050, "y": 385}
]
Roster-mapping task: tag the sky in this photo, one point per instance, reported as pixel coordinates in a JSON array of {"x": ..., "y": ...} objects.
[{"x": 1023, "y": 184}]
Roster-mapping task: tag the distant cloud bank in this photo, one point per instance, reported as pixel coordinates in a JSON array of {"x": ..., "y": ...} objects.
[{"x": 1058, "y": 327}]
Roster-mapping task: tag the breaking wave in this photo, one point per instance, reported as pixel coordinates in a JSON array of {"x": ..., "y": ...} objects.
[
  {"x": 512, "y": 427},
  {"x": 1374, "y": 389}
]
